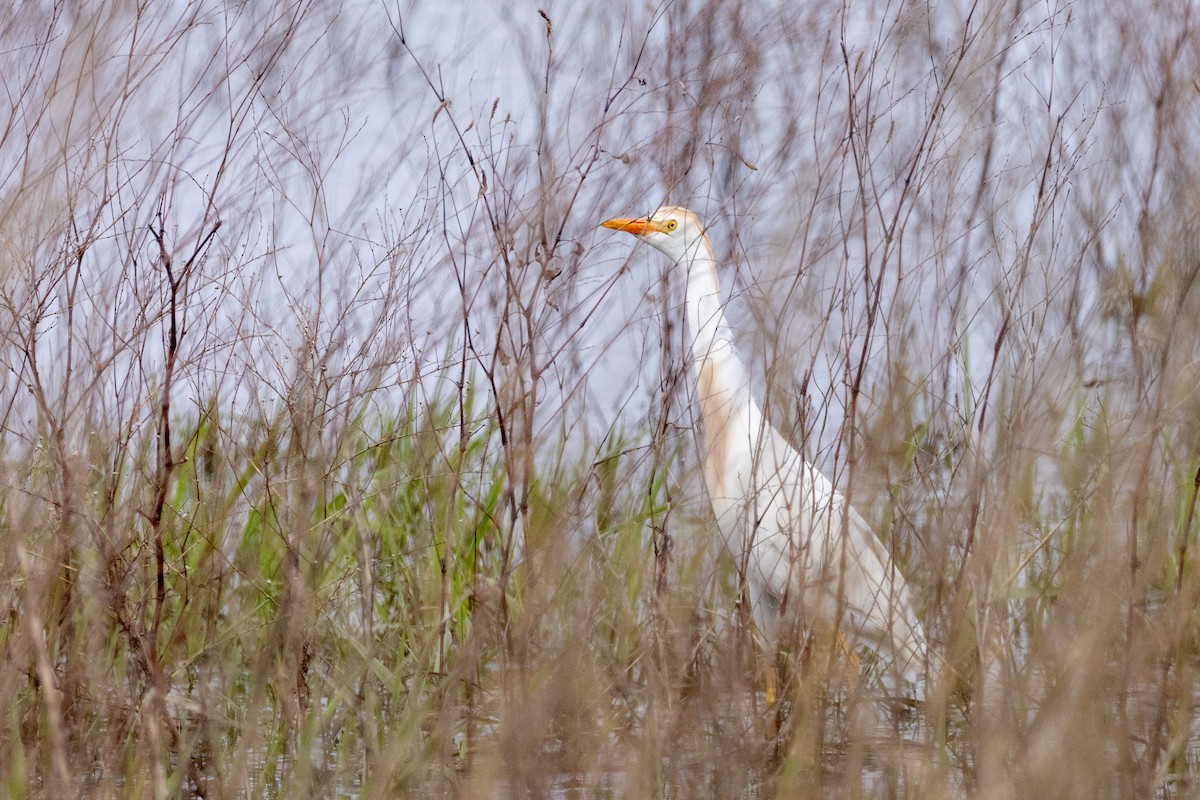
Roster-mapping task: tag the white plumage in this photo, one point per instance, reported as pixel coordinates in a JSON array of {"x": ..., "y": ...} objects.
[{"x": 800, "y": 539}]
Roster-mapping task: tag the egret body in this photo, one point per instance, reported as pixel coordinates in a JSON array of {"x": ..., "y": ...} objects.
[{"x": 800, "y": 540}]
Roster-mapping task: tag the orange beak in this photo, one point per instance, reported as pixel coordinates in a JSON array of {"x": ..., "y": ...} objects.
[{"x": 638, "y": 227}]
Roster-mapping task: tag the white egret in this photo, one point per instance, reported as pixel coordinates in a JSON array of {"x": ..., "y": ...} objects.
[{"x": 800, "y": 540}]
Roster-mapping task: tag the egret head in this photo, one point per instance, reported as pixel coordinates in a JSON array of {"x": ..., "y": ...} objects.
[{"x": 673, "y": 230}]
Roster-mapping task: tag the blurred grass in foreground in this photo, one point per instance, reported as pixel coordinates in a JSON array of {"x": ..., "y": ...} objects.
[{"x": 371, "y": 617}]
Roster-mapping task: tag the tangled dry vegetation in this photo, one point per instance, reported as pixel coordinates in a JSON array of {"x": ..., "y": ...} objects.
[{"x": 339, "y": 459}]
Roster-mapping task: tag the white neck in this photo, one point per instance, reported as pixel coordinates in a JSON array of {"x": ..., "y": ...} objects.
[{"x": 712, "y": 338}]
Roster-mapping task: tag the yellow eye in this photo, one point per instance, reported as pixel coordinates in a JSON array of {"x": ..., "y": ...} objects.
[{"x": 671, "y": 225}]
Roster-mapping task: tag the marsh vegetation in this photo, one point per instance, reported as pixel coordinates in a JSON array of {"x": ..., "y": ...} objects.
[{"x": 341, "y": 457}]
